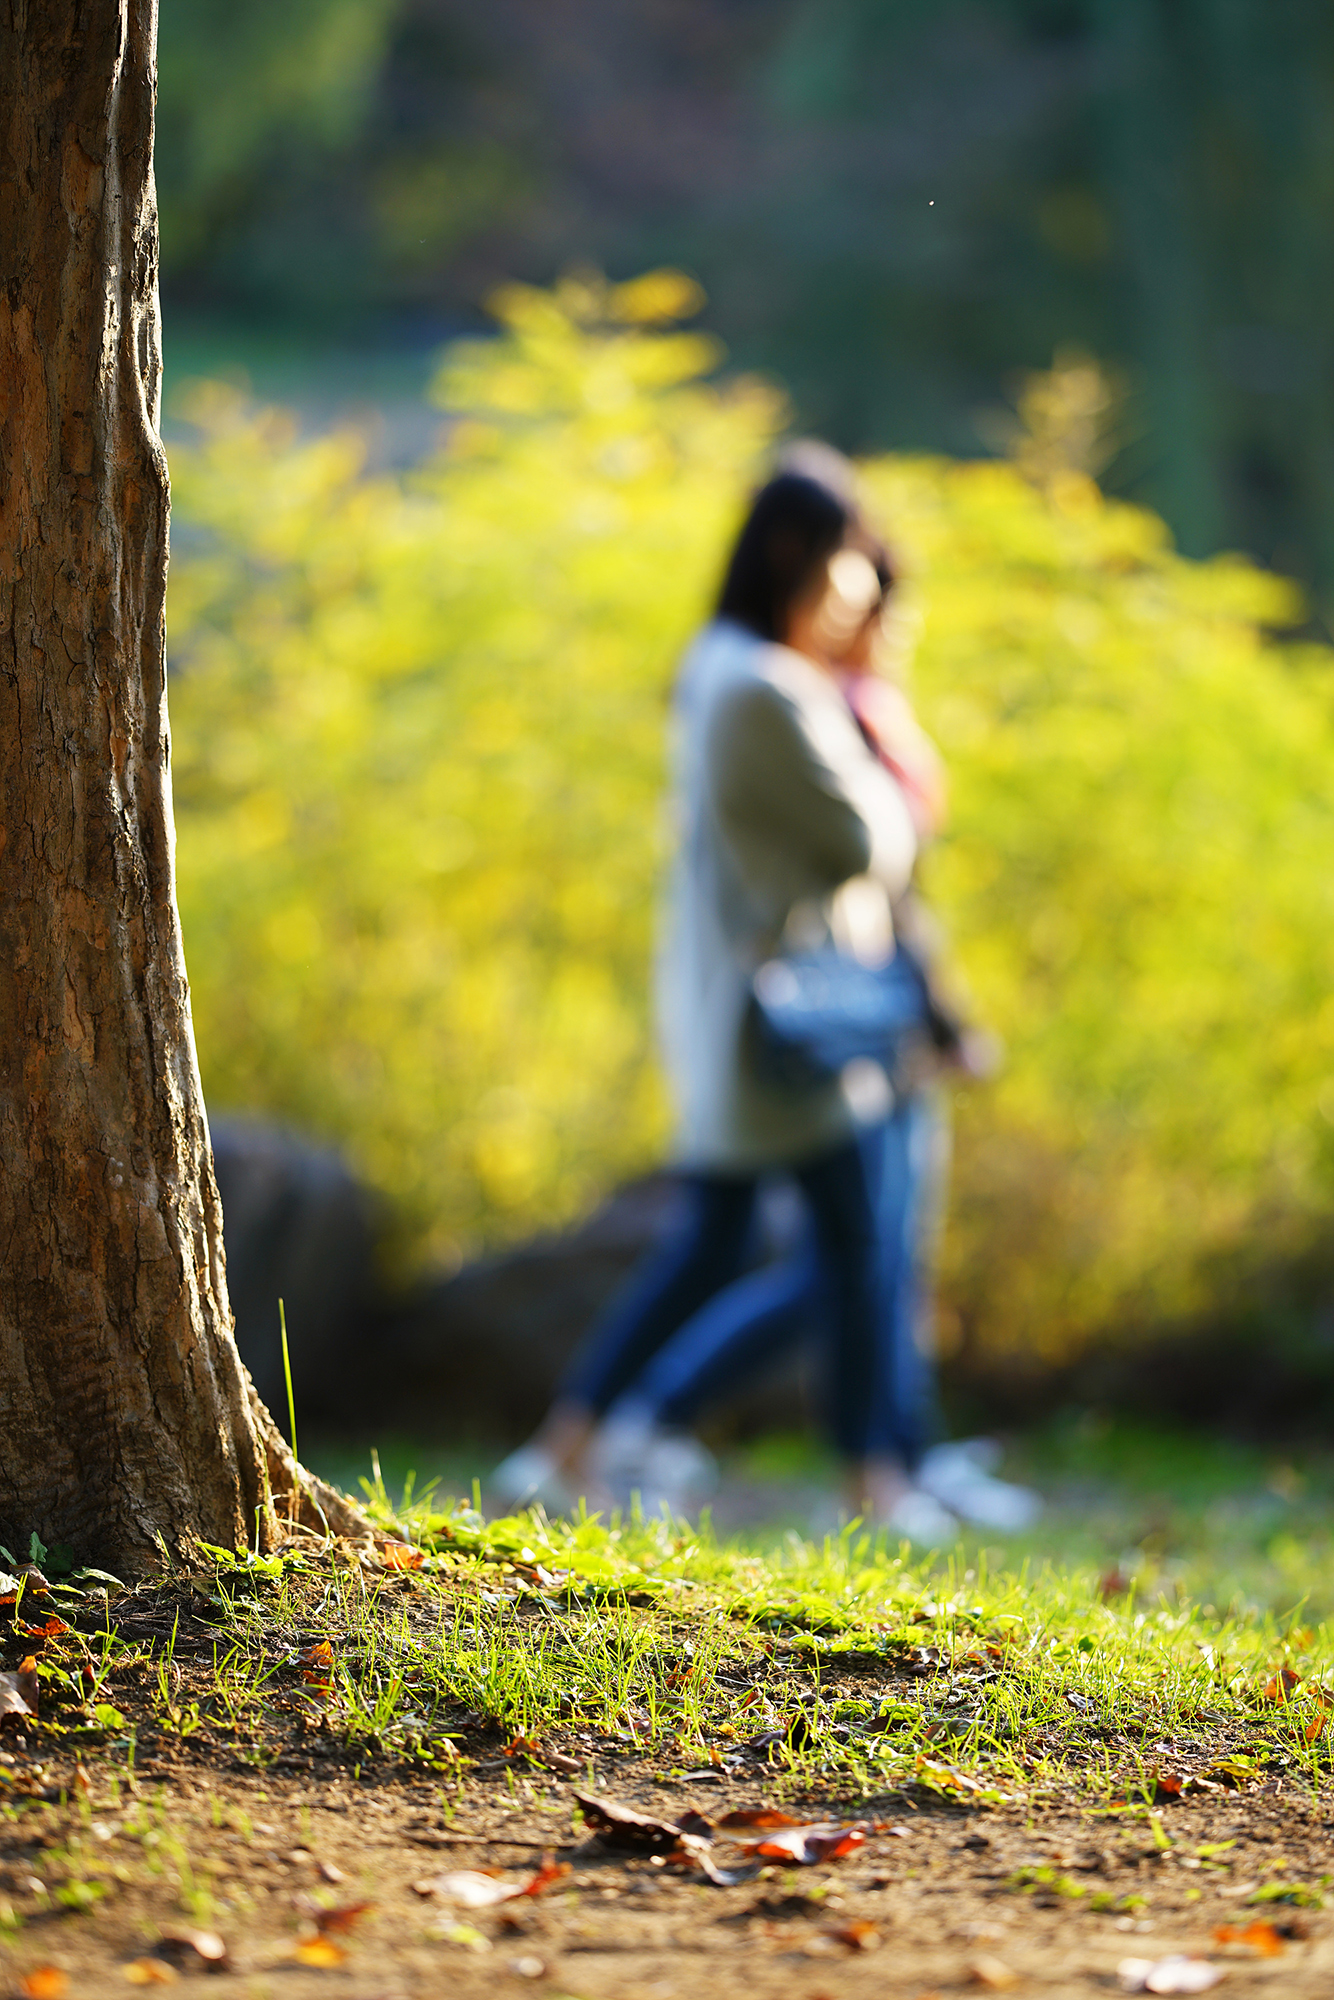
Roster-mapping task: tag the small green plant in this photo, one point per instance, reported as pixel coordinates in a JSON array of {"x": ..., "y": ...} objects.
[{"x": 287, "y": 1377}]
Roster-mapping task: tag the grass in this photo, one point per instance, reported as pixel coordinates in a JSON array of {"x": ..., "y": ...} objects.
[
  {"x": 1190, "y": 1517},
  {"x": 480, "y": 1659},
  {"x": 834, "y": 1661}
]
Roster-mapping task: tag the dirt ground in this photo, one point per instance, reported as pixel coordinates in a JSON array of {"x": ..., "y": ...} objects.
[
  {"x": 173, "y": 1836},
  {"x": 938, "y": 1899}
]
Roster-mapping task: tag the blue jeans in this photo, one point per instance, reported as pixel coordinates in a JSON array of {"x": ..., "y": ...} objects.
[
  {"x": 693, "y": 1327},
  {"x": 707, "y": 1252},
  {"x": 754, "y": 1321}
]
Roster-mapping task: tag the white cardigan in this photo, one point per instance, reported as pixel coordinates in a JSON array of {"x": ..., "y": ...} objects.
[{"x": 779, "y": 801}]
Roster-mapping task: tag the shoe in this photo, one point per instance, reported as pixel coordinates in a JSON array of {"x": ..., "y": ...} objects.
[
  {"x": 981, "y": 1454},
  {"x": 671, "y": 1469},
  {"x": 919, "y": 1518},
  {"x": 951, "y": 1476},
  {"x": 528, "y": 1478}
]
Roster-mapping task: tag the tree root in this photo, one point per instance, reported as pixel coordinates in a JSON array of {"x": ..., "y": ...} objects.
[{"x": 300, "y": 1499}]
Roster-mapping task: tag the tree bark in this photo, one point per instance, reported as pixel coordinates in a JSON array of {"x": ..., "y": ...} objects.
[{"x": 128, "y": 1426}]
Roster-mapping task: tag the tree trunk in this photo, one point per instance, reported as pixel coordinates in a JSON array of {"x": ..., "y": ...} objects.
[{"x": 127, "y": 1423}]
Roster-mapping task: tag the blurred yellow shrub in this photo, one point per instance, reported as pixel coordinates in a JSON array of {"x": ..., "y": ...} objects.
[{"x": 418, "y": 765}]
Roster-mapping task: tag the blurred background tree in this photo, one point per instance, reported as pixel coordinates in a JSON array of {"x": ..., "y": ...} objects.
[
  {"x": 418, "y": 738},
  {"x": 893, "y": 205}
]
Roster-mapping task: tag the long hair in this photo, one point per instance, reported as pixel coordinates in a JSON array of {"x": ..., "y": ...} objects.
[{"x": 795, "y": 524}]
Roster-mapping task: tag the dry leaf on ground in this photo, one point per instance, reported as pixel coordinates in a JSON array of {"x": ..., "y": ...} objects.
[
  {"x": 807, "y": 1844},
  {"x": 44, "y": 1982},
  {"x": 400, "y": 1555},
  {"x": 1176, "y": 1974},
  {"x": 319, "y": 1951},
  {"x": 1260, "y": 1936},
  {"x": 550, "y": 1871},
  {"x": 622, "y": 1826},
  {"x": 470, "y": 1889},
  {"x": 150, "y": 1972},
  {"x": 752, "y": 1816},
  {"x": 19, "y": 1691},
  {"x": 1280, "y": 1685},
  {"x": 11, "y": 1701},
  {"x": 528, "y": 1746},
  {"x": 860, "y": 1936},
  {"x": 344, "y": 1918}
]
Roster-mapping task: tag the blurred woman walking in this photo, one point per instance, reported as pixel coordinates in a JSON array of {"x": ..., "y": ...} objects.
[
  {"x": 781, "y": 800},
  {"x": 753, "y": 1323}
]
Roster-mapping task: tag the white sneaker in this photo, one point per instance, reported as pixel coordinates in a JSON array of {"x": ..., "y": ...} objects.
[
  {"x": 631, "y": 1454},
  {"x": 920, "y": 1519},
  {"x": 951, "y": 1476},
  {"x": 980, "y": 1454},
  {"x": 528, "y": 1478}
]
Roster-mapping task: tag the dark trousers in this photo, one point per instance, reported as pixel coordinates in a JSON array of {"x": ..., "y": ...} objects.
[
  {"x": 754, "y": 1322},
  {"x": 703, "y": 1260}
]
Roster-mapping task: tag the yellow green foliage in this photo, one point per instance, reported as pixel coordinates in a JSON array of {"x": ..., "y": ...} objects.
[{"x": 419, "y": 757}]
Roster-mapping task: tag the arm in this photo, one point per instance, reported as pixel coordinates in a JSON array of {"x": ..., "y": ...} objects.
[{"x": 803, "y": 800}]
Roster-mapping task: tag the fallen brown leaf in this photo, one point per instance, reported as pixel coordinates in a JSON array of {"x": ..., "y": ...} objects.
[
  {"x": 1280, "y": 1685},
  {"x": 747, "y": 1816},
  {"x": 12, "y": 1700},
  {"x": 149, "y": 1972},
  {"x": 44, "y": 1982},
  {"x": 470, "y": 1889},
  {"x": 860, "y": 1936},
  {"x": 1261, "y": 1937},
  {"x": 344, "y": 1918},
  {"x": 52, "y": 1629},
  {"x": 622, "y": 1826},
  {"x": 400, "y": 1555},
  {"x": 550, "y": 1871},
  {"x": 807, "y": 1844},
  {"x": 321, "y": 1951}
]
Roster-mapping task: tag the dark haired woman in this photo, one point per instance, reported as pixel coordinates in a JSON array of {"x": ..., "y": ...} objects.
[
  {"x": 743, "y": 1330},
  {"x": 780, "y": 801}
]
